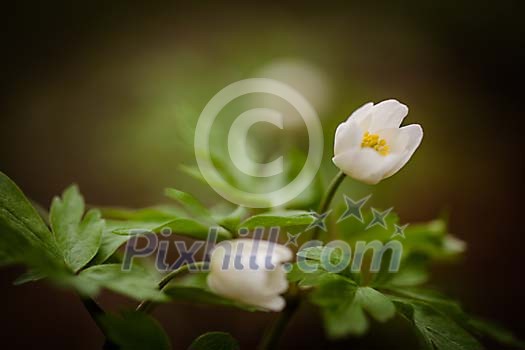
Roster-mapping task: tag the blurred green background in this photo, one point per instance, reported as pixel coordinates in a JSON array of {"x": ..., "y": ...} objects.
[{"x": 107, "y": 94}]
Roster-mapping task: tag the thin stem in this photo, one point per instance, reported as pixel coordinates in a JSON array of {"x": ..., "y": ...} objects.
[
  {"x": 147, "y": 306},
  {"x": 327, "y": 199},
  {"x": 276, "y": 330},
  {"x": 95, "y": 311}
]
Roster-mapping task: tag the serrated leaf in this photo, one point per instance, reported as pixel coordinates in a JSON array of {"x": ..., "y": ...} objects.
[
  {"x": 334, "y": 292},
  {"x": 491, "y": 330},
  {"x": 137, "y": 283},
  {"x": 24, "y": 237},
  {"x": 344, "y": 306},
  {"x": 157, "y": 213},
  {"x": 78, "y": 237},
  {"x": 135, "y": 331},
  {"x": 429, "y": 238},
  {"x": 348, "y": 319},
  {"x": 440, "y": 332},
  {"x": 282, "y": 219},
  {"x": 193, "y": 171},
  {"x": 432, "y": 299},
  {"x": 307, "y": 279},
  {"x": 190, "y": 203},
  {"x": 432, "y": 239},
  {"x": 29, "y": 276},
  {"x": 215, "y": 341},
  {"x": 232, "y": 220},
  {"x": 413, "y": 272},
  {"x": 181, "y": 226},
  {"x": 341, "y": 316},
  {"x": 316, "y": 253},
  {"x": 375, "y": 303},
  {"x": 118, "y": 232},
  {"x": 111, "y": 241},
  {"x": 353, "y": 230}
]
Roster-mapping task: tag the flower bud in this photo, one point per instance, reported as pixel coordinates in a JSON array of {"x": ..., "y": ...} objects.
[{"x": 250, "y": 271}]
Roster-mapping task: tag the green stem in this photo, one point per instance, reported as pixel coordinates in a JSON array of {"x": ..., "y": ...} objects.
[
  {"x": 276, "y": 330},
  {"x": 147, "y": 306},
  {"x": 95, "y": 311},
  {"x": 327, "y": 199}
]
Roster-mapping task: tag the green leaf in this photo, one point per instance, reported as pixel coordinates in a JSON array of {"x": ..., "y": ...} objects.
[
  {"x": 282, "y": 219},
  {"x": 413, "y": 272},
  {"x": 432, "y": 240},
  {"x": 341, "y": 316},
  {"x": 344, "y": 307},
  {"x": 193, "y": 171},
  {"x": 137, "y": 283},
  {"x": 192, "y": 205},
  {"x": 29, "y": 276},
  {"x": 111, "y": 241},
  {"x": 307, "y": 279},
  {"x": 125, "y": 223},
  {"x": 315, "y": 253},
  {"x": 491, "y": 330},
  {"x": 24, "y": 237},
  {"x": 181, "y": 226},
  {"x": 353, "y": 230},
  {"x": 232, "y": 220},
  {"x": 375, "y": 303},
  {"x": 437, "y": 331},
  {"x": 432, "y": 299},
  {"x": 118, "y": 232},
  {"x": 78, "y": 238},
  {"x": 108, "y": 246},
  {"x": 215, "y": 341},
  {"x": 348, "y": 319},
  {"x": 334, "y": 293},
  {"x": 135, "y": 331},
  {"x": 194, "y": 288},
  {"x": 156, "y": 213}
]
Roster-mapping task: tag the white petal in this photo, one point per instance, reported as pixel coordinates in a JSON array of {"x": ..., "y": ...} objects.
[
  {"x": 365, "y": 164},
  {"x": 276, "y": 281},
  {"x": 249, "y": 284},
  {"x": 238, "y": 284},
  {"x": 361, "y": 113},
  {"x": 411, "y": 135},
  {"x": 347, "y": 136},
  {"x": 395, "y": 139},
  {"x": 283, "y": 253},
  {"x": 387, "y": 114},
  {"x": 276, "y": 303}
]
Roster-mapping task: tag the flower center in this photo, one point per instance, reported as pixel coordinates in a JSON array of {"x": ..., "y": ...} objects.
[{"x": 373, "y": 141}]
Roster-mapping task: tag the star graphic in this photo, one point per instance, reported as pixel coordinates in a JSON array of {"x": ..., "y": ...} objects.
[
  {"x": 400, "y": 231},
  {"x": 353, "y": 208},
  {"x": 319, "y": 220},
  {"x": 379, "y": 218},
  {"x": 292, "y": 239}
]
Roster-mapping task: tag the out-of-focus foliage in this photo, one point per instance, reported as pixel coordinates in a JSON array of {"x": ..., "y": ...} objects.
[{"x": 79, "y": 251}]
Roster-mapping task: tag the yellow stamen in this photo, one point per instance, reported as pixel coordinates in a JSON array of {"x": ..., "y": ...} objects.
[{"x": 373, "y": 141}]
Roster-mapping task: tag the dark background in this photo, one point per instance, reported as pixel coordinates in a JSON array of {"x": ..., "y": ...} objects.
[{"x": 92, "y": 93}]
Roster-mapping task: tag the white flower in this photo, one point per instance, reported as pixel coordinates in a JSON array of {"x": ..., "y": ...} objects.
[
  {"x": 370, "y": 145},
  {"x": 234, "y": 275}
]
